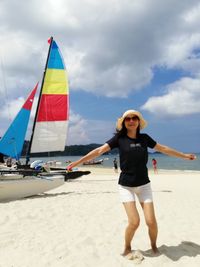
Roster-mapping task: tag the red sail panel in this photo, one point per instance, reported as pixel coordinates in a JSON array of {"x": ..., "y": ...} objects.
[
  {"x": 53, "y": 108},
  {"x": 29, "y": 102}
]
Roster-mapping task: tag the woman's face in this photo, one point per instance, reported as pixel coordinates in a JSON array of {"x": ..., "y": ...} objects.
[{"x": 131, "y": 122}]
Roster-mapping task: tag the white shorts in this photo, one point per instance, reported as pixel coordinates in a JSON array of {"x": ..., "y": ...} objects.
[{"x": 143, "y": 192}]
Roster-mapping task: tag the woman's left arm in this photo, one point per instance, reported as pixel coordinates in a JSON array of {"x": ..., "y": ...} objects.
[{"x": 172, "y": 152}]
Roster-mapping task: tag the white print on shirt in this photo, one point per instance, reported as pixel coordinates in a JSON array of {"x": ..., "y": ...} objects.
[{"x": 135, "y": 145}]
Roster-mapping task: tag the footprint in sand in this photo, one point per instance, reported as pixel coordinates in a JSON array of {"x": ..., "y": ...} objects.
[{"x": 135, "y": 256}]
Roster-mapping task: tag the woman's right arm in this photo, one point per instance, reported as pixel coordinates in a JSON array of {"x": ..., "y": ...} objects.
[{"x": 91, "y": 155}]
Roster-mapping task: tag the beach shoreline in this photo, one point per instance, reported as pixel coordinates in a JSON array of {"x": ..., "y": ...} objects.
[
  {"x": 109, "y": 170},
  {"x": 82, "y": 223}
]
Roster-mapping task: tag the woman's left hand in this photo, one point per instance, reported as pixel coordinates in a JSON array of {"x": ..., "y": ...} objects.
[{"x": 190, "y": 156}]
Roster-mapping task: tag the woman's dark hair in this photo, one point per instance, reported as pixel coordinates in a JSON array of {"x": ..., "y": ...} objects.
[{"x": 123, "y": 131}]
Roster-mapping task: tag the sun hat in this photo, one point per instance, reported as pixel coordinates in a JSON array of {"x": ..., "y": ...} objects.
[{"x": 143, "y": 123}]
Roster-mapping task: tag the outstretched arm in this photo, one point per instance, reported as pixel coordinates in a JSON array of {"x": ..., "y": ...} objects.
[
  {"x": 172, "y": 152},
  {"x": 91, "y": 155}
]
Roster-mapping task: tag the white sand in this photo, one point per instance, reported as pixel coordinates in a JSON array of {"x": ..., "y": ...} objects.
[{"x": 82, "y": 224}]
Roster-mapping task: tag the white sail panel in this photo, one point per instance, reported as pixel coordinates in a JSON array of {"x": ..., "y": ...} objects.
[{"x": 49, "y": 136}]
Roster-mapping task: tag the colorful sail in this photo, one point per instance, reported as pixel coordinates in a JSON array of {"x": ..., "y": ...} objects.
[
  {"x": 12, "y": 142},
  {"x": 53, "y": 110}
]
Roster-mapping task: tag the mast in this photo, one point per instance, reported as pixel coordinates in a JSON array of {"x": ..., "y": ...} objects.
[{"x": 50, "y": 41}]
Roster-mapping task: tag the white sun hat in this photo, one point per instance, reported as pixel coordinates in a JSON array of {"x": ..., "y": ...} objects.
[{"x": 143, "y": 123}]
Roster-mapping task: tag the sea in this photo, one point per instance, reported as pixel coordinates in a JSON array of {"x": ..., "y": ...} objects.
[{"x": 164, "y": 162}]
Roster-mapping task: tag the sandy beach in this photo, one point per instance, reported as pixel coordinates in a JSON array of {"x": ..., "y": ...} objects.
[{"x": 81, "y": 224}]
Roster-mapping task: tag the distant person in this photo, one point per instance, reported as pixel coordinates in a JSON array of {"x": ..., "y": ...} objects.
[
  {"x": 9, "y": 162},
  {"x": 154, "y": 163},
  {"x": 134, "y": 179},
  {"x": 2, "y": 158},
  {"x": 115, "y": 164}
]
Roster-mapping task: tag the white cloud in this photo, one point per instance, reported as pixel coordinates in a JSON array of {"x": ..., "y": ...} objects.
[
  {"x": 181, "y": 98},
  {"x": 181, "y": 50},
  {"x": 83, "y": 131},
  {"x": 10, "y": 110},
  {"x": 100, "y": 131},
  {"x": 77, "y": 133},
  {"x": 110, "y": 47}
]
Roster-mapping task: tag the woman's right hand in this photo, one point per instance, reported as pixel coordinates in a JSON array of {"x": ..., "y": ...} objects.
[{"x": 71, "y": 166}]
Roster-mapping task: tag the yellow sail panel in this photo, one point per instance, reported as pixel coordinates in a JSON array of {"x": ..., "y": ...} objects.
[{"x": 55, "y": 82}]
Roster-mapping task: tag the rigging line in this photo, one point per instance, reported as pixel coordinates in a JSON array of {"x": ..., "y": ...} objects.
[
  {"x": 4, "y": 89},
  {"x": 6, "y": 99}
]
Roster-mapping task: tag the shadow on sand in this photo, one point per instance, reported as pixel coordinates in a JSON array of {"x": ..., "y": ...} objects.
[
  {"x": 185, "y": 248},
  {"x": 49, "y": 195}
]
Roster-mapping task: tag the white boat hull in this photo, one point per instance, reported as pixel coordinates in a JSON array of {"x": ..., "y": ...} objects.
[{"x": 13, "y": 189}]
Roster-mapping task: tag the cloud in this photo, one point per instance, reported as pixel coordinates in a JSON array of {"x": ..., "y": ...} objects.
[
  {"x": 77, "y": 127},
  {"x": 100, "y": 130},
  {"x": 110, "y": 47},
  {"x": 181, "y": 98},
  {"x": 82, "y": 131},
  {"x": 77, "y": 133},
  {"x": 10, "y": 109}
]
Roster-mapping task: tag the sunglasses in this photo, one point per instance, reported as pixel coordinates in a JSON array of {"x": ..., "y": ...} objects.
[{"x": 127, "y": 119}]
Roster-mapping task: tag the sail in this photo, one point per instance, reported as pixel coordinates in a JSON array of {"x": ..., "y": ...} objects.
[
  {"x": 12, "y": 142},
  {"x": 53, "y": 109}
]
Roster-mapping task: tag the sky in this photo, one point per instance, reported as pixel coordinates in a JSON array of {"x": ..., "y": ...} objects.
[{"x": 119, "y": 55}]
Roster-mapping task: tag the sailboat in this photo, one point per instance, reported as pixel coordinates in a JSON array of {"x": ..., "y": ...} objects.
[
  {"x": 13, "y": 183},
  {"x": 48, "y": 134}
]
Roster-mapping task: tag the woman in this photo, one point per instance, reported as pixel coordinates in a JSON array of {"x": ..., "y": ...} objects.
[{"x": 134, "y": 178}]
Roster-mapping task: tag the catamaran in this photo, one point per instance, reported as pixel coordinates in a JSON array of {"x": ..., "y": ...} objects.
[{"x": 48, "y": 133}]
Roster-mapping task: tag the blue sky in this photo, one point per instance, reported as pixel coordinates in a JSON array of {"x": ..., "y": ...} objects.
[{"x": 120, "y": 55}]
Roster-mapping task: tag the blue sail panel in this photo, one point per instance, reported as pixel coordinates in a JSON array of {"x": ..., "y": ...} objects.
[
  {"x": 55, "y": 59},
  {"x": 12, "y": 142}
]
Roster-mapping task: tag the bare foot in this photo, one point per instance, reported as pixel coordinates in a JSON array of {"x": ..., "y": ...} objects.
[
  {"x": 155, "y": 249},
  {"x": 126, "y": 251}
]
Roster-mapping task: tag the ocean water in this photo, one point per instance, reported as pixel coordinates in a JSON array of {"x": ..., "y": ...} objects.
[{"x": 163, "y": 162}]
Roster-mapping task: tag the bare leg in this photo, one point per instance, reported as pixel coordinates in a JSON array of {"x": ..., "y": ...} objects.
[
  {"x": 133, "y": 223},
  {"x": 149, "y": 214}
]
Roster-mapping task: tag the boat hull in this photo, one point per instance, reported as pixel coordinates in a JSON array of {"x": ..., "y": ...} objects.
[{"x": 13, "y": 189}]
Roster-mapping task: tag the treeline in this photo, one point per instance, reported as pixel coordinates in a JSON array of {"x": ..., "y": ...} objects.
[{"x": 73, "y": 150}]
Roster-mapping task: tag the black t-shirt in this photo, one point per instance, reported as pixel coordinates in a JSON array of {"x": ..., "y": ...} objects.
[{"x": 133, "y": 158}]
